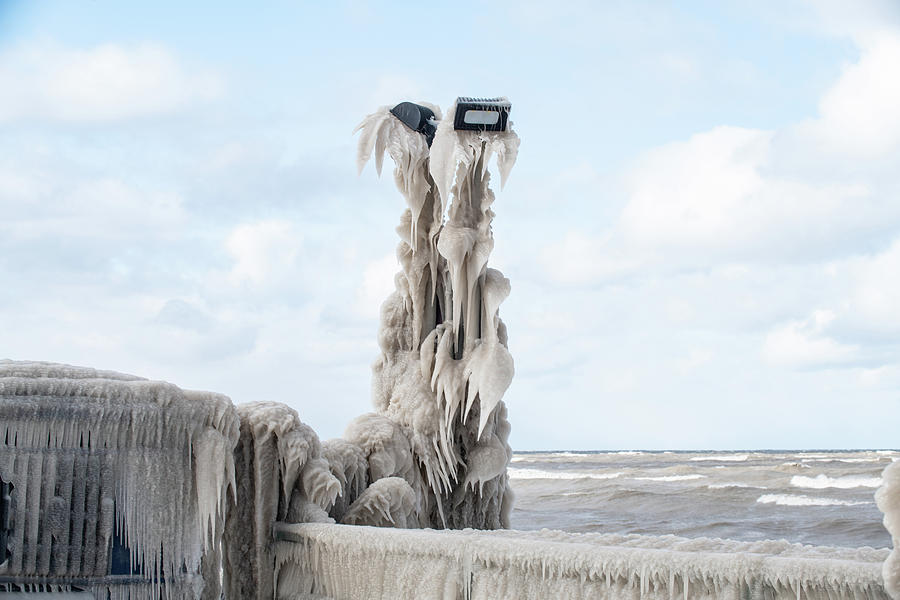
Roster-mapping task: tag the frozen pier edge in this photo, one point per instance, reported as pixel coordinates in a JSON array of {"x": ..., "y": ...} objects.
[{"x": 348, "y": 563}]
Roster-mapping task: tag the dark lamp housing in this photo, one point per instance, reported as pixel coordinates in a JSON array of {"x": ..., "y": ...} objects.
[
  {"x": 418, "y": 118},
  {"x": 481, "y": 114}
]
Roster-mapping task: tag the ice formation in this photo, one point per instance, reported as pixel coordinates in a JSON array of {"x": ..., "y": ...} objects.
[
  {"x": 349, "y": 465},
  {"x": 347, "y": 563},
  {"x": 282, "y": 476},
  {"x": 888, "y": 499},
  {"x": 444, "y": 363},
  {"x": 389, "y": 502},
  {"x": 96, "y": 455}
]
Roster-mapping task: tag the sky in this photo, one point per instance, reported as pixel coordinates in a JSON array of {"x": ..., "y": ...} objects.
[{"x": 702, "y": 230}]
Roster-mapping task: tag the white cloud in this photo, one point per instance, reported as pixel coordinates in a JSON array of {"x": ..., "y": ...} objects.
[
  {"x": 855, "y": 19},
  {"x": 103, "y": 83},
  {"x": 733, "y": 194},
  {"x": 696, "y": 192},
  {"x": 263, "y": 252},
  {"x": 805, "y": 344},
  {"x": 716, "y": 196},
  {"x": 875, "y": 299},
  {"x": 883, "y": 376},
  {"x": 860, "y": 114}
]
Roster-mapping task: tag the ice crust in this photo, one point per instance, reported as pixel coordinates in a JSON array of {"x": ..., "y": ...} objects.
[
  {"x": 444, "y": 365},
  {"x": 888, "y": 499},
  {"x": 348, "y": 563},
  {"x": 119, "y": 454}
]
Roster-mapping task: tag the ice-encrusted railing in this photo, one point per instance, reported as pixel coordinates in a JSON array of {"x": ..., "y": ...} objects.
[{"x": 349, "y": 562}]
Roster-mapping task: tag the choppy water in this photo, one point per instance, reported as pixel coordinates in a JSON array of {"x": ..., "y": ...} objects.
[{"x": 814, "y": 497}]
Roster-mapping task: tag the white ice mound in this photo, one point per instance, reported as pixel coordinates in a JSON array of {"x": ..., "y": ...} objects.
[
  {"x": 388, "y": 502},
  {"x": 92, "y": 454},
  {"x": 888, "y": 499},
  {"x": 384, "y": 445}
]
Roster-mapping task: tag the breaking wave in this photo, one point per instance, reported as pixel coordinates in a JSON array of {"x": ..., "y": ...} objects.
[
  {"x": 672, "y": 477},
  {"x": 724, "y": 486},
  {"x": 821, "y": 482},
  {"x": 845, "y": 460},
  {"x": 722, "y": 458},
  {"x": 799, "y": 500},
  {"x": 541, "y": 474}
]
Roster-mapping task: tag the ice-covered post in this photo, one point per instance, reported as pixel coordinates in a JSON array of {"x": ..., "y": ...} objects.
[
  {"x": 444, "y": 365},
  {"x": 888, "y": 498}
]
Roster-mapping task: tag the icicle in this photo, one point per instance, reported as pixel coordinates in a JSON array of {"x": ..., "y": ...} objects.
[{"x": 128, "y": 451}]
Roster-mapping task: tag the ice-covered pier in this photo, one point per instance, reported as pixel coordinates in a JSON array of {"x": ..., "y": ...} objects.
[
  {"x": 348, "y": 563},
  {"x": 122, "y": 488}
]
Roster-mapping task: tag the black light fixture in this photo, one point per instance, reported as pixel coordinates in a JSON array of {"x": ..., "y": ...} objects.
[
  {"x": 481, "y": 114},
  {"x": 418, "y": 118}
]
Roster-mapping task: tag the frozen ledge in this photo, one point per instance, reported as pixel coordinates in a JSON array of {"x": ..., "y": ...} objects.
[{"x": 348, "y": 562}]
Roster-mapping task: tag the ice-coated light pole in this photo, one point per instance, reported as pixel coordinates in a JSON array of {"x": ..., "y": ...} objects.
[{"x": 444, "y": 363}]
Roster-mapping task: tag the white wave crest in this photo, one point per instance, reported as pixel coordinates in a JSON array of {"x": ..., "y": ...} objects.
[
  {"x": 723, "y": 458},
  {"x": 845, "y": 460},
  {"x": 799, "y": 500},
  {"x": 541, "y": 474},
  {"x": 821, "y": 482},
  {"x": 723, "y": 486},
  {"x": 672, "y": 477}
]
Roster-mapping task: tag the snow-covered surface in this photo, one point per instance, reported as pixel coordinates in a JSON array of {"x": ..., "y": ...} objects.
[
  {"x": 346, "y": 563},
  {"x": 91, "y": 453},
  {"x": 888, "y": 499}
]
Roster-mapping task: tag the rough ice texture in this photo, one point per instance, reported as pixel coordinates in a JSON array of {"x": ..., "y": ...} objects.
[
  {"x": 888, "y": 499},
  {"x": 389, "y": 502},
  {"x": 444, "y": 363},
  {"x": 348, "y": 563},
  {"x": 282, "y": 476},
  {"x": 348, "y": 464},
  {"x": 92, "y": 454}
]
